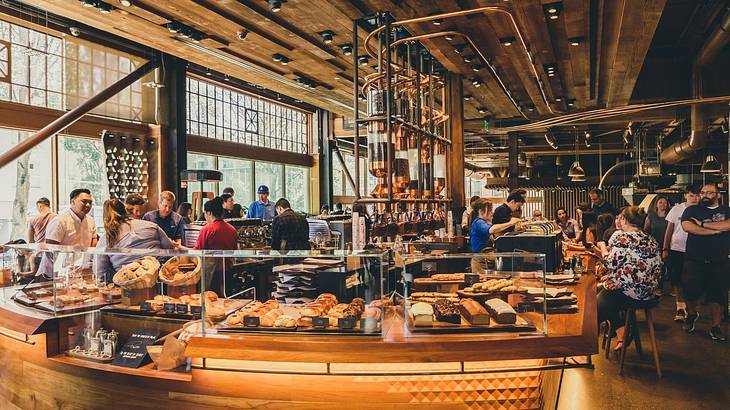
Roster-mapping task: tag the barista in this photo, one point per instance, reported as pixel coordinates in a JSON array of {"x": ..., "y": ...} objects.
[
  {"x": 482, "y": 227},
  {"x": 503, "y": 213}
]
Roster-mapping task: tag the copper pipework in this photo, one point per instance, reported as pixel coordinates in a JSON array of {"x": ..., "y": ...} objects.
[{"x": 483, "y": 10}]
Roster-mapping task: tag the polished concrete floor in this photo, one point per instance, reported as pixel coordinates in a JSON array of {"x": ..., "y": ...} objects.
[{"x": 696, "y": 371}]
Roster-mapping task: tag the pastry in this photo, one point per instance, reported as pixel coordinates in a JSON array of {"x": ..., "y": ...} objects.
[
  {"x": 285, "y": 321},
  {"x": 422, "y": 314},
  {"x": 474, "y": 312},
  {"x": 446, "y": 311},
  {"x": 234, "y": 319},
  {"x": 185, "y": 299},
  {"x": 501, "y": 311},
  {"x": 304, "y": 321},
  {"x": 310, "y": 312},
  {"x": 350, "y": 312},
  {"x": 211, "y": 296},
  {"x": 266, "y": 321}
]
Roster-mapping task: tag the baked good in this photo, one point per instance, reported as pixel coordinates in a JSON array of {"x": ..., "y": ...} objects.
[
  {"x": 351, "y": 312},
  {"x": 492, "y": 285},
  {"x": 447, "y": 276},
  {"x": 185, "y": 299},
  {"x": 474, "y": 312},
  {"x": 235, "y": 319},
  {"x": 446, "y": 311},
  {"x": 267, "y": 321},
  {"x": 501, "y": 311},
  {"x": 304, "y": 321},
  {"x": 422, "y": 314},
  {"x": 310, "y": 312},
  {"x": 155, "y": 304},
  {"x": 211, "y": 296},
  {"x": 285, "y": 321}
]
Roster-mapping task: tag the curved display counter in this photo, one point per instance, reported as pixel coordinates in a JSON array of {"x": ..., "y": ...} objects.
[{"x": 397, "y": 367}]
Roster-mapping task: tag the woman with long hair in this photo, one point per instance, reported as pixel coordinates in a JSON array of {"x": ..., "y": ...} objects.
[
  {"x": 124, "y": 232},
  {"x": 568, "y": 226},
  {"x": 656, "y": 226}
]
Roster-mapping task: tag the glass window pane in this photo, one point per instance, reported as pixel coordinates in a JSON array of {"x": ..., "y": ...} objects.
[
  {"x": 297, "y": 187},
  {"x": 200, "y": 161},
  {"x": 269, "y": 174},
  {"x": 237, "y": 173},
  {"x": 81, "y": 165},
  {"x": 25, "y": 180}
]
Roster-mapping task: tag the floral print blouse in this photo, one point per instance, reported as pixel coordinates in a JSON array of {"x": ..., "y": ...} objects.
[{"x": 634, "y": 264}]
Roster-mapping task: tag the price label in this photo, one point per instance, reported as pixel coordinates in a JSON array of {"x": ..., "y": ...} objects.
[
  {"x": 145, "y": 306},
  {"x": 251, "y": 321},
  {"x": 169, "y": 308},
  {"x": 346, "y": 323},
  {"x": 196, "y": 310},
  {"x": 471, "y": 278},
  {"x": 319, "y": 322},
  {"x": 127, "y": 293},
  {"x": 181, "y": 308}
]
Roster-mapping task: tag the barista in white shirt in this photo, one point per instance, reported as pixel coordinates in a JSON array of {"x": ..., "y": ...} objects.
[{"x": 72, "y": 227}]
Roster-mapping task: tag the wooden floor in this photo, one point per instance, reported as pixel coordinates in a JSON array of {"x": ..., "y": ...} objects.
[{"x": 696, "y": 372}]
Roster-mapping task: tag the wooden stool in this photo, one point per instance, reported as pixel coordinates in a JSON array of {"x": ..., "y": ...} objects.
[{"x": 631, "y": 333}]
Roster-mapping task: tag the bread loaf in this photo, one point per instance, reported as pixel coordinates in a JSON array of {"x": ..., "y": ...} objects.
[
  {"x": 473, "y": 312},
  {"x": 501, "y": 311}
]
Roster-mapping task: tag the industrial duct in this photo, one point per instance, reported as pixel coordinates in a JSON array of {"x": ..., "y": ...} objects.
[{"x": 687, "y": 148}]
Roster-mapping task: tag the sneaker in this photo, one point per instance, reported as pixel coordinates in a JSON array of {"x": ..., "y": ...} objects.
[
  {"x": 680, "y": 316},
  {"x": 690, "y": 321},
  {"x": 716, "y": 334}
]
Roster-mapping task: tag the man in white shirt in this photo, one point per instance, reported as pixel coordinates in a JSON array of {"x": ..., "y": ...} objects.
[
  {"x": 71, "y": 227},
  {"x": 675, "y": 244}
]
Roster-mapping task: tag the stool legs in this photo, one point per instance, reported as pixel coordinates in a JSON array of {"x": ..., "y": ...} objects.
[
  {"x": 652, "y": 338},
  {"x": 635, "y": 334},
  {"x": 627, "y": 335}
]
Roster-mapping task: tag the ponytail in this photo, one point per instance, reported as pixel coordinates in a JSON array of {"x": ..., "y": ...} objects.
[{"x": 114, "y": 216}]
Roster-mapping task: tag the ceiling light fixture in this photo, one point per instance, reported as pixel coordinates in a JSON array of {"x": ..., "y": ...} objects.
[
  {"x": 88, "y": 3},
  {"x": 327, "y": 36},
  {"x": 103, "y": 7},
  {"x": 460, "y": 48},
  {"x": 226, "y": 78},
  {"x": 275, "y": 5},
  {"x": 575, "y": 41},
  {"x": 476, "y": 68},
  {"x": 482, "y": 110},
  {"x": 467, "y": 97},
  {"x": 125, "y": 3},
  {"x": 550, "y": 139},
  {"x": 552, "y": 10},
  {"x": 277, "y": 57},
  {"x": 711, "y": 165},
  {"x": 346, "y": 49},
  {"x": 558, "y": 99},
  {"x": 507, "y": 41},
  {"x": 363, "y": 60},
  {"x": 468, "y": 59},
  {"x": 521, "y": 158},
  {"x": 529, "y": 163},
  {"x": 285, "y": 60},
  {"x": 75, "y": 31},
  {"x": 449, "y": 37},
  {"x": 476, "y": 82},
  {"x": 242, "y": 34},
  {"x": 208, "y": 72},
  {"x": 173, "y": 27},
  {"x": 571, "y": 102},
  {"x": 437, "y": 22},
  {"x": 576, "y": 170}
]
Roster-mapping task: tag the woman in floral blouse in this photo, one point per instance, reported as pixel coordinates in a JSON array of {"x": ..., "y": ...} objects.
[{"x": 633, "y": 266}]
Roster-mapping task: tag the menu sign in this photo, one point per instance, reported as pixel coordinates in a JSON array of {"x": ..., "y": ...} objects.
[
  {"x": 134, "y": 353},
  {"x": 471, "y": 278}
]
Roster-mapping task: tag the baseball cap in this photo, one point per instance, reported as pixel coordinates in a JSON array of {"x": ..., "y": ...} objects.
[{"x": 263, "y": 189}]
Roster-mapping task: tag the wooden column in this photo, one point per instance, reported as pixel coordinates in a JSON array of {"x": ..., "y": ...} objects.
[
  {"x": 455, "y": 106},
  {"x": 326, "y": 127},
  {"x": 173, "y": 114},
  {"x": 514, "y": 168}
]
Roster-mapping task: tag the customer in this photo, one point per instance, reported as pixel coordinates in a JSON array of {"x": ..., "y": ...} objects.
[
  {"x": 263, "y": 208},
  {"x": 467, "y": 216},
  {"x": 170, "y": 221},
  {"x": 605, "y": 228},
  {"x": 362, "y": 211},
  {"x": 599, "y": 204},
  {"x": 482, "y": 227},
  {"x": 228, "y": 191},
  {"x": 588, "y": 235},
  {"x": 633, "y": 266},
  {"x": 37, "y": 224},
  {"x": 656, "y": 226},
  {"x": 228, "y": 205},
  {"x": 289, "y": 230},
  {"x": 504, "y": 213},
  {"x": 706, "y": 266},
  {"x": 324, "y": 210},
  {"x": 217, "y": 234},
  {"x": 238, "y": 211},
  {"x": 675, "y": 243},
  {"x": 185, "y": 210},
  {"x": 583, "y": 207},
  {"x": 121, "y": 231},
  {"x": 537, "y": 216},
  {"x": 135, "y": 205},
  {"x": 337, "y": 209},
  {"x": 568, "y": 226}
]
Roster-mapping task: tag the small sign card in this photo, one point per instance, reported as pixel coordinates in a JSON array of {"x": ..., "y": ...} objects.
[
  {"x": 251, "y": 321},
  {"x": 320, "y": 322},
  {"x": 471, "y": 278},
  {"x": 134, "y": 353}
]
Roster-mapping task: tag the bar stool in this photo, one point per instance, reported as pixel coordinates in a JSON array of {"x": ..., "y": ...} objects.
[{"x": 631, "y": 333}]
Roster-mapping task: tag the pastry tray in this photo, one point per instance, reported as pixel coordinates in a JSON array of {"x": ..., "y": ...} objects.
[
  {"x": 230, "y": 306},
  {"x": 484, "y": 295},
  {"x": 46, "y": 304},
  {"x": 465, "y": 327},
  {"x": 482, "y": 277}
]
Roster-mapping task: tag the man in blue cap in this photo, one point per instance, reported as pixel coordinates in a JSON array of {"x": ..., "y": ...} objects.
[{"x": 262, "y": 208}]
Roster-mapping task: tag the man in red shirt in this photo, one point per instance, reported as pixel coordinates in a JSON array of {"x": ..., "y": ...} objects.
[{"x": 217, "y": 234}]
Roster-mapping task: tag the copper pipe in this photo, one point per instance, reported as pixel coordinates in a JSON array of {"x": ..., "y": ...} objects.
[
  {"x": 607, "y": 113},
  {"x": 483, "y": 10},
  {"x": 74, "y": 115}
]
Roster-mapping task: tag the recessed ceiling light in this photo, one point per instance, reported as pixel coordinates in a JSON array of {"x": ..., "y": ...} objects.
[
  {"x": 476, "y": 68},
  {"x": 449, "y": 37},
  {"x": 558, "y": 99},
  {"x": 552, "y": 10},
  {"x": 242, "y": 34},
  {"x": 468, "y": 59},
  {"x": 88, "y": 3},
  {"x": 125, "y": 3},
  {"x": 575, "y": 41},
  {"x": 346, "y": 49},
  {"x": 275, "y": 5},
  {"x": 277, "y": 57},
  {"x": 460, "y": 48},
  {"x": 476, "y": 82},
  {"x": 571, "y": 102},
  {"x": 437, "y": 22},
  {"x": 363, "y": 60},
  {"x": 482, "y": 110},
  {"x": 327, "y": 36},
  {"x": 507, "y": 41},
  {"x": 467, "y": 97}
]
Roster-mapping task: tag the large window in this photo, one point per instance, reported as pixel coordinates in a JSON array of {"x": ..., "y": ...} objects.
[
  {"x": 61, "y": 73},
  {"x": 226, "y": 114},
  {"x": 81, "y": 165},
  {"x": 24, "y": 181},
  {"x": 245, "y": 176},
  {"x": 340, "y": 184}
]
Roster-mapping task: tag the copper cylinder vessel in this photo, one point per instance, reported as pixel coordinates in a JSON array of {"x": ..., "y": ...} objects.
[
  {"x": 402, "y": 176},
  {"x": 378, "y": 156},
  {"x": 426, "y": 176},
  {"x": 439, "y": 169}
]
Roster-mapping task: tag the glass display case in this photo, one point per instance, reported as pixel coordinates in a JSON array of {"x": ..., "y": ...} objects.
[
  {"x": 487, "y": 294},
  {"x": 110, "y": 295}
]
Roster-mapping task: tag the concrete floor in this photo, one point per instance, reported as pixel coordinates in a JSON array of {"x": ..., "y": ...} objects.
[{"x": 696, "y": 371}]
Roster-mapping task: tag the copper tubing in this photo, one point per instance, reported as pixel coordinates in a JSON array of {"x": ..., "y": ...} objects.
[
  {"x": 74, "y": 115},
  {"x": 484, "y": 10},
  {"x": 606, "y": 113}
]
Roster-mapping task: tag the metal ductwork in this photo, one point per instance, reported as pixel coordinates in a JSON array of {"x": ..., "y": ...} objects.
[{"x": 687, "y": 148}]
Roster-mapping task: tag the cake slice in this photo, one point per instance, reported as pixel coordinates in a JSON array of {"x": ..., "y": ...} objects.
[{"x": 447, "y": 311}]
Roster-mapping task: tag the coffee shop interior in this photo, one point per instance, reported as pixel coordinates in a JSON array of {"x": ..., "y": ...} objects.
[{"x": 510, "y": 204}]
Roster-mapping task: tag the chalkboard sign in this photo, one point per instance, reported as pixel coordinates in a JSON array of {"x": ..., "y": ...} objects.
[
  {"x": 196, "y": 310},
  {"x": 134, "y": 353},
  {"x": 181, "y": 308},
  {"x": 471, "y": 278},
  {"x": 346, "y": 323},
  {"x": 251, "y": 321},
  {"x": 145, "y": 306},
  {"x": 320, "y": 322},
  {"x": 169, "y": 308}
]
